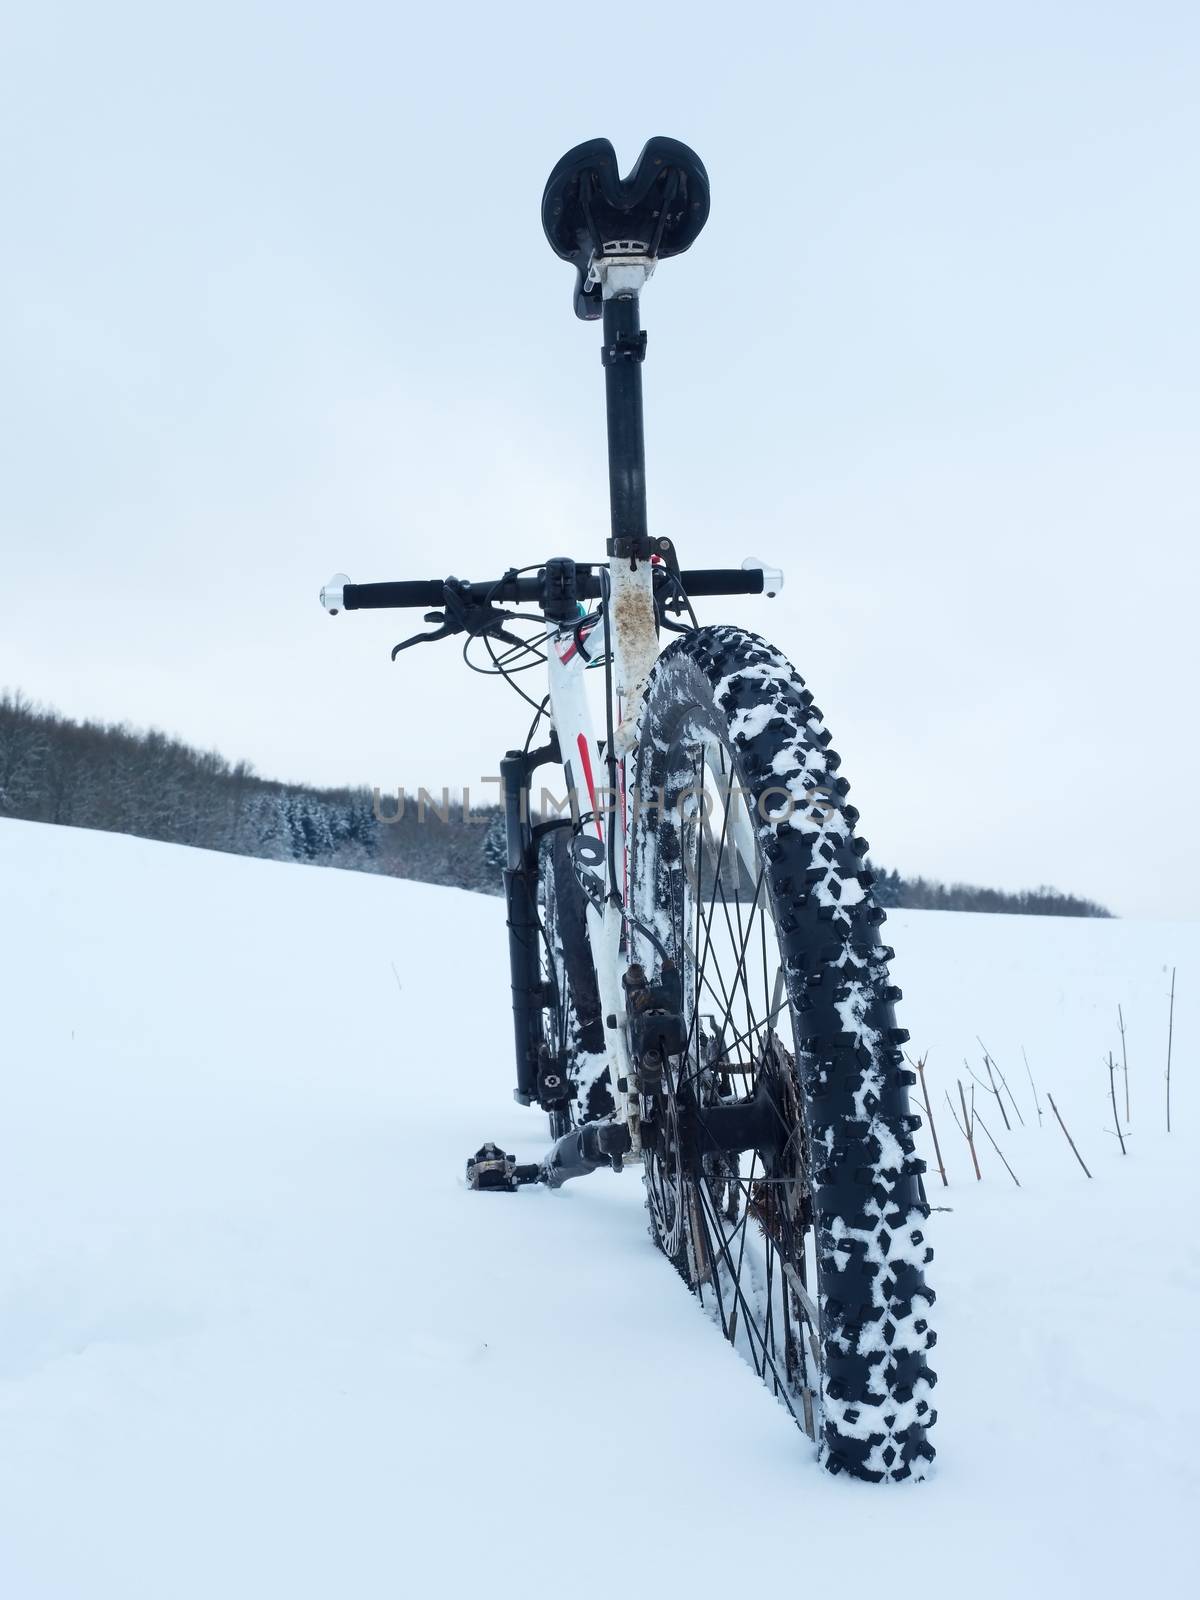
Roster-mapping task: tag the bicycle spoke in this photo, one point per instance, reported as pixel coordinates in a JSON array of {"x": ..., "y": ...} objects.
[
  {"x": 740, "y": 1235},
  {"x": 750, "y": 1321}
]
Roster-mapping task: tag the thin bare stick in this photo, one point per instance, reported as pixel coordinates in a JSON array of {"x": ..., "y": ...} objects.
[
  {"x": 937, "y": 1149},
  {"x": 1012, "y": 1097},
  {"x": 1063, "y": 1126},
  {"x": 1033, "y": 1086},
  {"x": 970, "y": 1138},
  {"x": 989, "y": 1087},
  {"x": 974, "y": 1076},
  {"x": 1170, "y": 1034},
  {"x": 998, "y": 1151},
  {"x": 1124, "y": 1064},
  {"x": 954, "y": 1114},
  {"x": 1112, "y": 1090},
  {"x": 988, "y": 1064},
  {"x": 989, "y": 1057}
]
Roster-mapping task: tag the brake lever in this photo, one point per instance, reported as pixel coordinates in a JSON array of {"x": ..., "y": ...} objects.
[
  {"x": 442, "y": 632},
  {"x": 462, "y": 615}
]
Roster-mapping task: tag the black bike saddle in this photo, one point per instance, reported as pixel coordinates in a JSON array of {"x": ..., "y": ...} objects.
[{"x": 587, "y": 206}]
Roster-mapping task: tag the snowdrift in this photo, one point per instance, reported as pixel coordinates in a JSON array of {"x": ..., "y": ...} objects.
[{"x": 257, "y": 1338}]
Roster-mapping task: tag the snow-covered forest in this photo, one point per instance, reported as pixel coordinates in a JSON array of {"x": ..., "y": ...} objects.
[
  {"x": 93, "y": 775},
  {"x": 111, "y": 777}
]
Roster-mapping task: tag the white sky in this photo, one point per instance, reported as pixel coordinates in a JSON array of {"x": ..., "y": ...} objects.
[{"x": 275, "y": 301}]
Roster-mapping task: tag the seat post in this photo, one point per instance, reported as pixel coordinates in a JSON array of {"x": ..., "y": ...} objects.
[
  {"x": 623, "y": 352},
  {"x": 614, "y": 231}
]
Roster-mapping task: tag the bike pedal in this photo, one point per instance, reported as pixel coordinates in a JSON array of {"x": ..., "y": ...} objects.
[{"x": 491, "y": 1168}]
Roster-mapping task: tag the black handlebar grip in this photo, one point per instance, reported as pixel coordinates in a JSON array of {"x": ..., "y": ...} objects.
[
  {"x": 723, "y": 580},
  {"x": 390, "y": 596}
]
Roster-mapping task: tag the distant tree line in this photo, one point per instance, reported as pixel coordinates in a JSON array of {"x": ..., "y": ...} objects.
[
  {"x": 92, "y": 775},
  {"x": 96, "y": 775},
  {"x": 923, "y": 894}
]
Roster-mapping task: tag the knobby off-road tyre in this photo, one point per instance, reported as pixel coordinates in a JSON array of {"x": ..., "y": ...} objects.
[
  {"x": 840, "y": 1192},
  {"x": 574, "y": 1027}
]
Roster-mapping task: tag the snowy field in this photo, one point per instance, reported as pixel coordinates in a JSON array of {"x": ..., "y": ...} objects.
[{"x": 257, "y": 1339}]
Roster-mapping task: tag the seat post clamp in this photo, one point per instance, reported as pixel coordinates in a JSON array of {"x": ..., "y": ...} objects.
[{"x": 624, "y": 348}]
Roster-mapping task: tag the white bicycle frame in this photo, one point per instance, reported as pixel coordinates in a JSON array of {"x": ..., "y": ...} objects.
[{"x": 634, "y": 641}]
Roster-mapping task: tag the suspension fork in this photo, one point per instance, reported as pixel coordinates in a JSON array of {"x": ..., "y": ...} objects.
[{"x": 521, "y": 904}]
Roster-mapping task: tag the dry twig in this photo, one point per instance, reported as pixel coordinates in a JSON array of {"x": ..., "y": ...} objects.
[
  {"x": 992, "y": 1062},
  {"x": 998, "y": 1151},
  {"x": 1112, "y": 1090},
  {"x": 1170, "y": 1033},
  {"x": 937, "y": 1149},
  {"x": 990, "y": 1087},
  {"x": 967, "y": 1128},
  {"x": 987, "y": 1063},
  {"x": 1033, "y": 1086},
  {"x": 1063, "y": 1126},
  {"x": 954, "y": 1114}
]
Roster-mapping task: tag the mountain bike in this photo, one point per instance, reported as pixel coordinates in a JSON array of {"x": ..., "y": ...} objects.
[{"x": 698, "y": 984}]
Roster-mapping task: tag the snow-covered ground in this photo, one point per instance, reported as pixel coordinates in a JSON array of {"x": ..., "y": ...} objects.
[{"x": 257, "y": 1339}]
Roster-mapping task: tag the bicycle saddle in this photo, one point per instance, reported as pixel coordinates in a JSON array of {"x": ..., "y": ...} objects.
[{"x": 587, "y": 208}]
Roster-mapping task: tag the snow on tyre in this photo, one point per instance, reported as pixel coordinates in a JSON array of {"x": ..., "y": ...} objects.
[{"x": 779, "y": 1157}]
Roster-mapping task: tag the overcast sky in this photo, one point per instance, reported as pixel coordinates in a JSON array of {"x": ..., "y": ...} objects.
[{"x": 275, "y": 302}]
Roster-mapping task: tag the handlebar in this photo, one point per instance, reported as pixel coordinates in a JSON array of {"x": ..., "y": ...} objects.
[{"x": 339, "y": 594}]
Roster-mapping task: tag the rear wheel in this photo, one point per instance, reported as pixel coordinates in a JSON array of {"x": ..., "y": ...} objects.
[{"x": 779, "y": 1162}]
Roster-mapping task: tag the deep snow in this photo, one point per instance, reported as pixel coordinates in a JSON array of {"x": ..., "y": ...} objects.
[{"x": 258, "y": 1339}]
